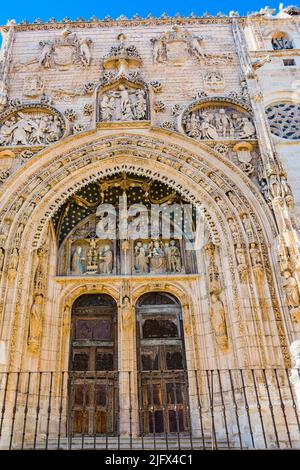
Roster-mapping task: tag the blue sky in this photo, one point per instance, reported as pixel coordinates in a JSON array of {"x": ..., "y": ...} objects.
[{"x": 30, "y": 10}]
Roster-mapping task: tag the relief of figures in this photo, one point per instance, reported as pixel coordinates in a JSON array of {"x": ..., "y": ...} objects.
[
  {"x": 124, "y": 104},
  {"x": 90, "y": 257},
  {"x": 157, "y": 256},
  {"x": 30, "y": 129},
  {"x": 218, "y": 123}
]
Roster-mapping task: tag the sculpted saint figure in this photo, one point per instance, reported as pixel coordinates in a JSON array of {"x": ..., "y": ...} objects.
[
  {"x": 175, "y": 258},
  {"x": 208, "y": 130},
  {"x": 291, "y": 290},
  {"x": 218, "y": 321},
  {"x": 77, "y": 266},
  {"x": 106, "y": 260},
  {"x": 140, "y": 105},
  {"x": 126, "y": 313},
  {"x": 157, "y": 258},
  {"x": 14, "y": 259},
  {"x": 141, "y": 258},
  {"x": 107, "y": 107},
  {"x": 255, "y": 255},
  {"x": 126, "y": 111},
  {"x": 35, "y": 325},
  {"x": 6, "y": 131}
]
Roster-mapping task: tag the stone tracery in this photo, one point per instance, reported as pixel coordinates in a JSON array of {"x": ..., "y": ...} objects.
[{"x": 284, "y": 119}]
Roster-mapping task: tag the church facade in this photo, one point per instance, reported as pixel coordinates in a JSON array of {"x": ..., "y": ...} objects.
[{"x": 149, "y": 232}]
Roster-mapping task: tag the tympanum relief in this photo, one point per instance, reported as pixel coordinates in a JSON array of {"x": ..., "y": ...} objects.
[
  {"x": 31, "y": 126},
  {"x": 217, "y": 122}
]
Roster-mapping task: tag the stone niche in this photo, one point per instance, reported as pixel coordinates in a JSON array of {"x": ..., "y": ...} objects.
[
  {"x": 31, "y": 125},
  {"x": 123, "y": 101},
  {"x": 217, "y": 120}
]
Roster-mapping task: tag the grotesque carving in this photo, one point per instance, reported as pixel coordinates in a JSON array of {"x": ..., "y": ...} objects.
[
  {"x": 31, "y": 127},
  {"x": 217, "y": 123}
]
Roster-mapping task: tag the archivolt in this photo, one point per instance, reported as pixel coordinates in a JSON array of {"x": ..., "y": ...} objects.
[{"x": 191, "y": 168}]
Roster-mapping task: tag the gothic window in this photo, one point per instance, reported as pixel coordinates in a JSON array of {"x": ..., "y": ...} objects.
[
  {"x": 93, "y": 363},
  {"x": 281, "y": 41},
  {"x": 284, "y": 119},
  {"x": 162, "y": 365}
]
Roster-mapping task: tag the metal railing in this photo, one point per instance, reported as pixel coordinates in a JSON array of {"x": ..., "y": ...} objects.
[{"x": 183, "y": 409}]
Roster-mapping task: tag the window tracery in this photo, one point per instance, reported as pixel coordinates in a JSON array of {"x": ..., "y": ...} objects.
[{"x": 284, "y": 119}]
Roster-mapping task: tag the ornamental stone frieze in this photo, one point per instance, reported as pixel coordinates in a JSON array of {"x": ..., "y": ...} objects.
[{"x": 31, "y": 125}]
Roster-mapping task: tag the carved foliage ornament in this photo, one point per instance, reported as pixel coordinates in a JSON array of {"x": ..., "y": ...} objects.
[
  {"x": 215, "y": 120},
  {"x": 284, "y": 119},
  {"x": 31, "y": 125}
]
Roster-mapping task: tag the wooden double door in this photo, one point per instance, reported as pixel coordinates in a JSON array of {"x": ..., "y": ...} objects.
[{"x": 93, "y": 379}]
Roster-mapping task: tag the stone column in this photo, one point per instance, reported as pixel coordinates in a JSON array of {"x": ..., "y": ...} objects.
[
  {"x": 128, "y": 395},
  {"x": 295, "y": 372}
]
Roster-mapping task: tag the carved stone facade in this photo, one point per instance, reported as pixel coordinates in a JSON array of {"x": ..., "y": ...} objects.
[{"x": 97, "y": 113}]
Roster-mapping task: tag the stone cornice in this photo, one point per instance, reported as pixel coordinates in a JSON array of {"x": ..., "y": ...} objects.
[{"x": 40, "y": 25}]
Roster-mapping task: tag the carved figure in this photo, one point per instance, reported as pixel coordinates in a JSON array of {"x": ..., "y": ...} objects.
[
  {"x": 127, "y": 317},
  {"x": 14, "y": 259},
  {"x": 255, "y": 255},
  {"x": 29, "y": 129},
  {"x": 35, "y": 324},
  {"x": 106, "y": 260},
  {"x": 157, "y": 258},
  {"x": 140, "y": 104},
  {"x": 175, "y": 258},
  {"x": 291, "y": 290},
  {"x": 84, "y": 51},
  {"x": 217, "y": 313},
  {"x": 141, "y": 258},
  {"x": 77, "y": 266},
  {"x": 46, "y": 54}
]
